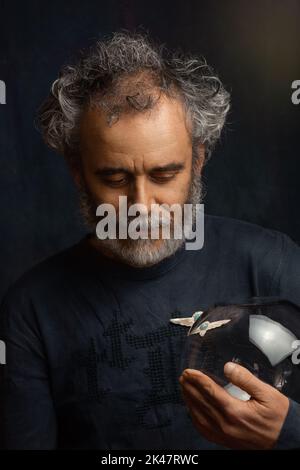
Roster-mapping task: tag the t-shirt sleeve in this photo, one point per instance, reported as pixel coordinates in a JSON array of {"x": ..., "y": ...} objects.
[
  {"x": 286, "y": 280},
  {"x": 287, "y": 284},
  {"x": 27, "y": 417},
  {"x": 289, "y": 437}
]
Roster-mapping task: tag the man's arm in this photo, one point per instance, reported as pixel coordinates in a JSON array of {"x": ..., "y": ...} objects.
[
  {"x": 286, "y": 280},
  {"x": 289, "y": 437},
  {"x": 269, "y": 419},
  {"x": 288, "y": 285},
  {"x": 27, "y": 417}
]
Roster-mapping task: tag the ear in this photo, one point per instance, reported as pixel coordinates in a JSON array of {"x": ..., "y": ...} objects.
[{"x": 199, "y": 162}]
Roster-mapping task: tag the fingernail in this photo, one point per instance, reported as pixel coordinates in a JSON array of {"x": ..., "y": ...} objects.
[
  {"x": 189, "y": 373},
  {"x": 229, "y": 367}
]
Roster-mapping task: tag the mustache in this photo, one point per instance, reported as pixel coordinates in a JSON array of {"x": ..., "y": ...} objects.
[
  {"x": 146, "y": 221},
  {"x": 88, "y": 206}
]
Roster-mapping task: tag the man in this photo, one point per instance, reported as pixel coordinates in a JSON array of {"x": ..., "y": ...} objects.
[{"x": 93, "y": 360}]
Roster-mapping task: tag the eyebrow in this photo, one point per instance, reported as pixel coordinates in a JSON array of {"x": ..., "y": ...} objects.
[
  {"x": 169, "y": 167},
  {"x": 108, "y": 171}
]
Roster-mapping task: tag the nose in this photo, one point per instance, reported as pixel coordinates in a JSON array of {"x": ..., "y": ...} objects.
[{"x": 141, "y": 193}]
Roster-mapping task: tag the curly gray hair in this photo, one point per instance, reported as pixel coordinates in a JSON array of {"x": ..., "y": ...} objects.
[{"x": 126, "y": 73}]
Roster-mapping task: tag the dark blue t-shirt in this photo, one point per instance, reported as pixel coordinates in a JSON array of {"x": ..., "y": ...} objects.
[{"x": 92, "y": 359}]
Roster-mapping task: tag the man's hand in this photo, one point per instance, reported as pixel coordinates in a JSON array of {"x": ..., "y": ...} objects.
[{"x": 228, "y": 421}]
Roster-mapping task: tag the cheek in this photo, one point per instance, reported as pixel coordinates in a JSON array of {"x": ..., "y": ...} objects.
[
  {"x": 103, "y": 194},
  {"x": 100, "y": 192},
  {"x": 175, "y": 192}
]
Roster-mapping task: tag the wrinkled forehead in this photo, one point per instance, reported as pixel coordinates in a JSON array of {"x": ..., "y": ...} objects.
[{"x": 163, "y": 129}]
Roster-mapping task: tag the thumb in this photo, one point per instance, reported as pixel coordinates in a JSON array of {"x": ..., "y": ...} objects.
[{"x": 242, "y": 378}]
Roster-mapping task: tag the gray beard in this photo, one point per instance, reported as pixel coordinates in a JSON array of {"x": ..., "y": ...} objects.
[{"x": 139, "y": 253}]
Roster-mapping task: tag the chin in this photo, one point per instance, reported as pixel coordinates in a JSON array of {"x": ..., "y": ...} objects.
[{"x": 141, "y": 253}]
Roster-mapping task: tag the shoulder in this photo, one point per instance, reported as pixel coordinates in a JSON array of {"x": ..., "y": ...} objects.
[
  {"x": 270, "y": 257},
  {"x": 244, "y": 237},
  {"x": 227, "y": 227},
  {"x": 48, "y": 276}
]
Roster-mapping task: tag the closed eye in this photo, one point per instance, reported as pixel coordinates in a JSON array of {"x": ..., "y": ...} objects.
[
  {"x": 162, "y": 178},
  {"x": 116, "y": 183},
  {"x": 116, "y": 180}
]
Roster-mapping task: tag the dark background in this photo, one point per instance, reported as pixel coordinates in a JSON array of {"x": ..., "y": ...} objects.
[{"x": 253, "y": 174}]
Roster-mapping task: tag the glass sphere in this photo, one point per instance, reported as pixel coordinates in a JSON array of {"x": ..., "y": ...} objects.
[{"x": 263, "y": 336}]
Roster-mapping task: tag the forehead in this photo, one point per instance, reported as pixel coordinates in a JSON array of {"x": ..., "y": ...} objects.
[{"x": 160, "y": 130}]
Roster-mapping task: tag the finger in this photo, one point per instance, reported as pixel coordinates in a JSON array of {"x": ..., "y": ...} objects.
[
  {"x": 242, "y": 377},
  {"x": 196, "y": 400},
  {"x": 217, "y": 429},
  {"x": 204, "y": 424},
  {"x": 210, "y": 389},
  {"x": 215, "y": 426}
]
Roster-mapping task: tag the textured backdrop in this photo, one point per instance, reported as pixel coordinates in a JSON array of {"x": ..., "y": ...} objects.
[{"x": 253, "y": 174}]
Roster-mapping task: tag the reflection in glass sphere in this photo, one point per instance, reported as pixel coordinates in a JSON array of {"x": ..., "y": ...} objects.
[{"x": 262, "y": 335}]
